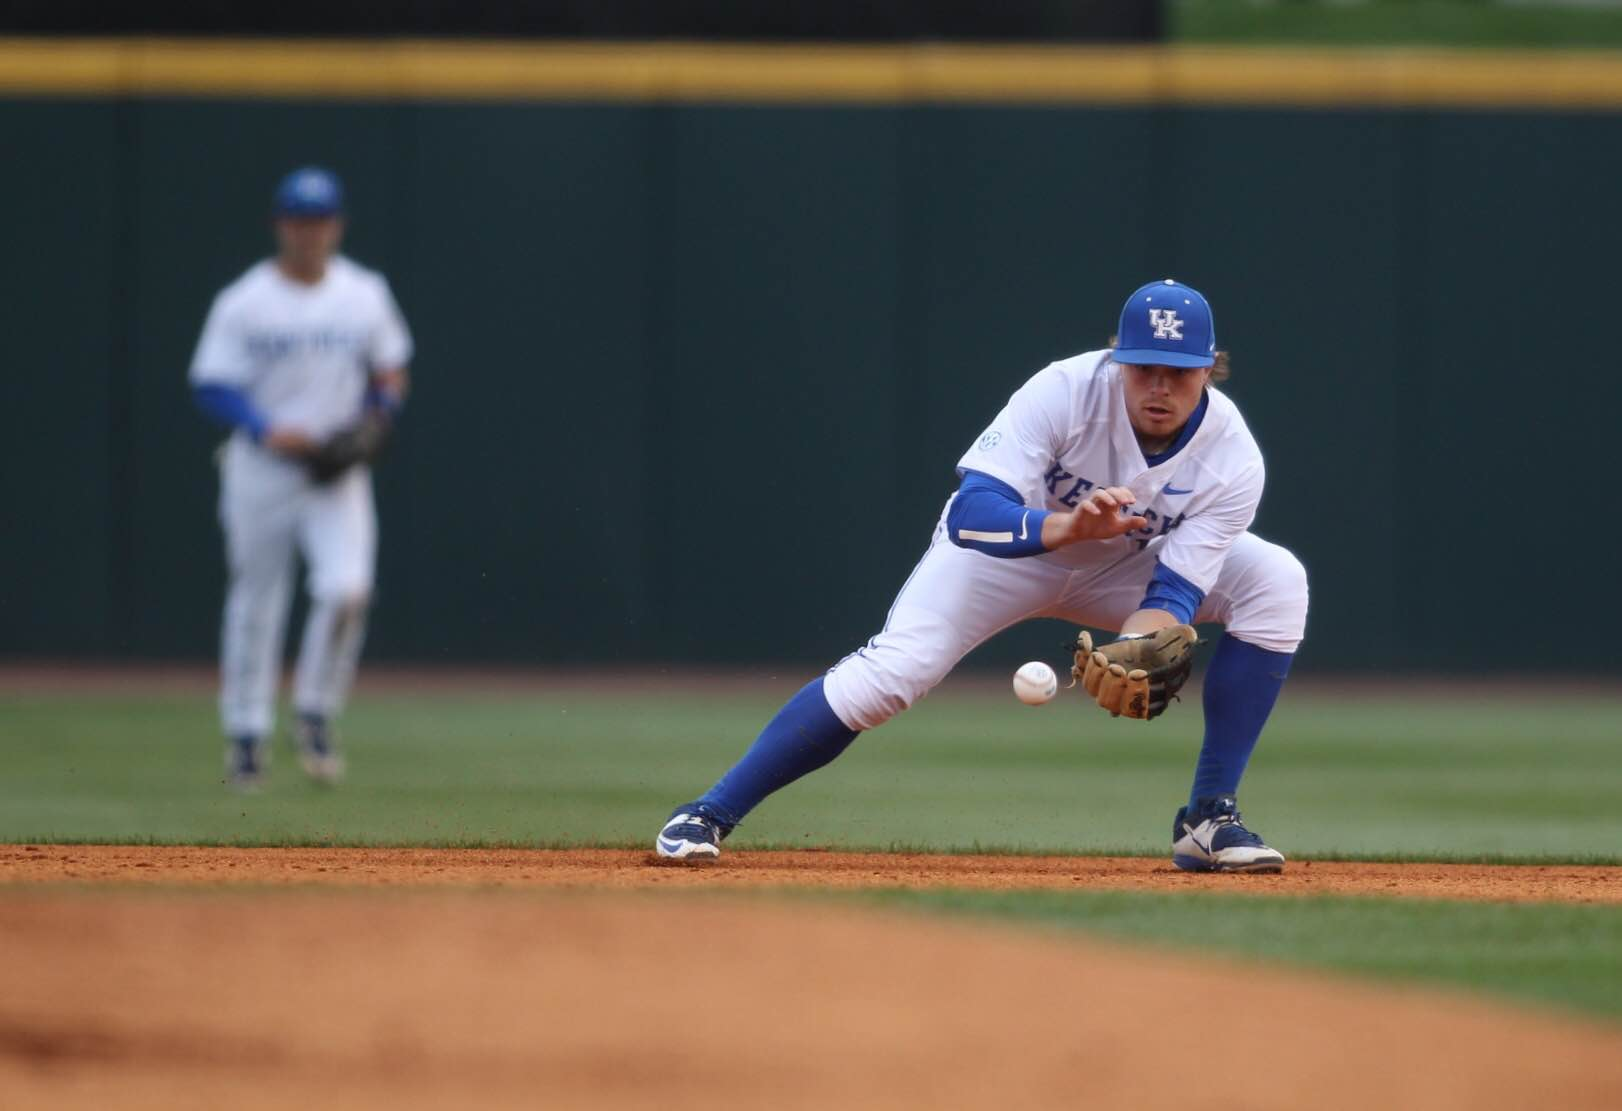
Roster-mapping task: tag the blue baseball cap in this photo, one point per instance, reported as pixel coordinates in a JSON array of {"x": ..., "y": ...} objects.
[
  {"x": 1166, "y": 324},
  {"x": 309, "y": 191}
]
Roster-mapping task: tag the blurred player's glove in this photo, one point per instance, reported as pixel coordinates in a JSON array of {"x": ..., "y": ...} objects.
[
  {"x": 361, "y": 442},
  {"x": 1139, "y": 676}
]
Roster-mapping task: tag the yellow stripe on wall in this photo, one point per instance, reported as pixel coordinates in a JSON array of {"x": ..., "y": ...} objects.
[{"x": 621, "y": 72}]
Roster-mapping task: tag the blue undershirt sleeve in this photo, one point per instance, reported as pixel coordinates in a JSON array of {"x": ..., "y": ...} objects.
[
  {"x": 988, "y": 515},
  {"x": 230, "y": 407},
  {"x": 1171, "y": 592}
]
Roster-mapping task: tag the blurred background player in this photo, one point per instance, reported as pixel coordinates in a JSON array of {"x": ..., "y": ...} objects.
[
  {"x": 1115, "y": 489},
  {"x": 294, "y": 351}
]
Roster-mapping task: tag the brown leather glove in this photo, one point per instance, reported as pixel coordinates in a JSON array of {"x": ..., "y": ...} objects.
[
  {"x": 361, "y": 442},
  {"x": 1136, "y": 677}
]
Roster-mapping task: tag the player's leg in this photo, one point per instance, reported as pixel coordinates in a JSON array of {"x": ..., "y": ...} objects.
[
  {"x": 338, "y": 534},
  {"x": 954, "y": 600},
  {"x": 1261, "y": 598},
  {"x": 259, "y": 502}
]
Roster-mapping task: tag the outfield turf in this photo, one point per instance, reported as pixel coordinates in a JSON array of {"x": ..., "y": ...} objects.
[
  {"x": 1565, "y": 956},
  {"x": 1463, "y": 777}
]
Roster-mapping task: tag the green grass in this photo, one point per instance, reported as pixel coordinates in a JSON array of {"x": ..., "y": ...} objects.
[
  {"x": 1402, "y": 777},
  {"x": 1476, "y": 23},
  {"x": 1563, "y": 956}
]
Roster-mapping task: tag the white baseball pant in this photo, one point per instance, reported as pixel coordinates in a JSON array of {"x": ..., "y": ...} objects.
[
  {"x": 269, "y": 509},
  {"x": 957, "y": 598}
]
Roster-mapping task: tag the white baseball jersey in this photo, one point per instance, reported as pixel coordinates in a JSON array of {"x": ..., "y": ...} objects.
[
  {"x": 1066, "y": 432},
  {"x": 303, "y": 354}
]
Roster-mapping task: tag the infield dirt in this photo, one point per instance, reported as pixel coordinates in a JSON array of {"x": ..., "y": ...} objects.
[
  {"x": 628, "y": 868},
  {"x": 397, "y": 978}
]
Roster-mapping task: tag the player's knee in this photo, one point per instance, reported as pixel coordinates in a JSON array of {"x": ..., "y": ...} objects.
[
  {"x": 349, "y": 599},
  {"x": 349, "y": 613},
  {"x": 888, "y": 701},
  {"x": 881, "y": 680},
  {"x": 1269, "y": 599},
  {"x": 1274, "y": 615},
  {"x": 867, "y": 697},
  {"x": 1288, "y": 576}
]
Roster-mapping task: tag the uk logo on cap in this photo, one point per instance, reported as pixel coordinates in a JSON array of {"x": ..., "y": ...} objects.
[{"x": 1166, "y": 323}]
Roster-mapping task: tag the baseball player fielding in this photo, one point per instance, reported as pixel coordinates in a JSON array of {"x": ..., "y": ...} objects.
[{"x": 1116, "y": 489}]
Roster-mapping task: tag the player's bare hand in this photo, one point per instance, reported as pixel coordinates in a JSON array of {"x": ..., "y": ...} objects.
[
  {"x": 289, "y": 442},
  {"x": 1104, "y": 514}
]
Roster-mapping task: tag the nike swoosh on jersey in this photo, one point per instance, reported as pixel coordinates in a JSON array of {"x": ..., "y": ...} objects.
[
  {"x": 1022, "y": 522},
  {"x": 1174, "y": 490}
]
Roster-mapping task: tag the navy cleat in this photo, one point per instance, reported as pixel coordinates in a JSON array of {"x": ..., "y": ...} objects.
[
  {"x": 245, "y": 764},
  {"x": 690, "y": 835},
  {"x": 317, "y": 754},
  {"x": 1213, "y": 838}
]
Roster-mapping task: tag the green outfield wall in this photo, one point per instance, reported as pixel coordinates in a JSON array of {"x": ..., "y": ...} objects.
[{"x": 693, "y": 372}]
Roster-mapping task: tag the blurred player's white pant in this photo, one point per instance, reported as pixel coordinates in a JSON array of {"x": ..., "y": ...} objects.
[
  {"x": 957, "y": 598},
  {"x": 270, "y": 509}
]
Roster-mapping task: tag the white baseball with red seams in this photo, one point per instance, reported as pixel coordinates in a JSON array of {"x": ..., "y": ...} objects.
[{"x": 1035, "y": 683}]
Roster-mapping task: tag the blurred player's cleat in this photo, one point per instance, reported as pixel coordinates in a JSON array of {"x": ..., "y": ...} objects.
[
  {"x": 245, "y": 764},
  {"x": 318, "y": 754},
  {"x": 1212, "y": 838},
  {"x": 690, "y": 835}
]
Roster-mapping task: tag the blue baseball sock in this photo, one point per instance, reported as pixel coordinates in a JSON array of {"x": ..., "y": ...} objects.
[
  {"x": 315, "y": 725},
  {"x": 1241, "y": 686},
  {"x": 805, "y": 735},
  {"x": 245, "y": 753}
]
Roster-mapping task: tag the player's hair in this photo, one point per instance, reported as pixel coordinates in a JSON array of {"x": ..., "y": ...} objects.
[{"x": 1220, "y": 370}]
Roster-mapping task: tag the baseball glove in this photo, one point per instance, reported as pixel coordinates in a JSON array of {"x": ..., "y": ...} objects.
[
  {"x": 1139, "y": 676},
  {"x": 361, "y": 442}
]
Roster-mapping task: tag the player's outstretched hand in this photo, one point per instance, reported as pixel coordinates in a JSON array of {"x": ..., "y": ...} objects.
[{"x": 1102, "y": 515}]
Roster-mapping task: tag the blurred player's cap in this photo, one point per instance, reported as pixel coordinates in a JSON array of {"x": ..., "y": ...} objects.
[
  {"x": 309, "y": 191},
  {"x": 1166, "y": 323}
]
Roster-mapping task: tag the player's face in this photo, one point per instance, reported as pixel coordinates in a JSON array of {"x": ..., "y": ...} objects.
[
  {"x": 1160, "y": 399},
  {"x": 307, "y": 242}
]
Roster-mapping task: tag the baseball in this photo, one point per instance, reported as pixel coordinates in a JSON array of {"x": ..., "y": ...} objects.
[{"x": 1035, "y": 683}]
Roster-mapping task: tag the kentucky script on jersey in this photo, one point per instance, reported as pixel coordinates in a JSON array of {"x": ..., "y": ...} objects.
[
  {"x": 1066, "y": 432},
  {"x": 303, "y": 354}
]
